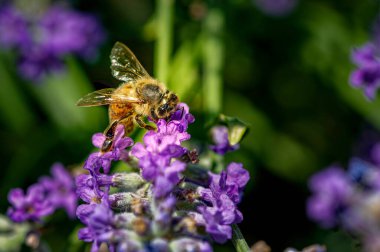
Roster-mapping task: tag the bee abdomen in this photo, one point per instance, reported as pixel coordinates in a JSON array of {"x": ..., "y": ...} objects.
[{"x": 119, "y": 110}]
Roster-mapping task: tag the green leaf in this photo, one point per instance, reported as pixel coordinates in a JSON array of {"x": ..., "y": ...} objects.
[{"x": 236, "y": 128}]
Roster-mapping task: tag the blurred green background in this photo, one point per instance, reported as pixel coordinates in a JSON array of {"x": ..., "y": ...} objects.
[{"x": 286, "y": 76}]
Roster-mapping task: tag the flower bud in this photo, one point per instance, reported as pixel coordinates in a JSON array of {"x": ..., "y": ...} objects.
[{"x": 127, "y": 181}]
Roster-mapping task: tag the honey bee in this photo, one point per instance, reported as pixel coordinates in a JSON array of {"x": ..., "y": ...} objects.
[{"x": 137, "y": 97}]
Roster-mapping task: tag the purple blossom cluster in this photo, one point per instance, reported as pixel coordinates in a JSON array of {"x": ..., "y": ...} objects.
[
  {"x": 144, "y": 210},
  {"x": 43, "y": 40},
  {"x": 157, "y": 156},
  {"x": 221, "y": 199},
  {"x": 367, "y": 74},
  {"x": 366, "y": 58},
  {"x": 44, "y": 197},
  {"x": 153, "y": 207},
  {"x": 348, "y": 199}
]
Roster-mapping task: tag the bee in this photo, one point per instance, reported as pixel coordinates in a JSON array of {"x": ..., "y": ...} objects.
[{"x": 139, "y": 96}]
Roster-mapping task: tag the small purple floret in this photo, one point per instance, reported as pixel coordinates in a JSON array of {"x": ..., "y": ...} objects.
[
  {"x": 118, "y": 151},
  {"x": 31, "y": 206}
]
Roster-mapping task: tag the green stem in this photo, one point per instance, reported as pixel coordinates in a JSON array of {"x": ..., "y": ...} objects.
[
  {"x": 165, "y": 9},
  {"x": 213, "y": 54},
  {"x": 238, "y": 240}
]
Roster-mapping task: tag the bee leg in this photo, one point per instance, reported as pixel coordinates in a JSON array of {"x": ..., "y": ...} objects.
[
  {"x": 109, "y": 133},
  {"x": 142, "y": 124},
  {"x": 110, "y": 130}
]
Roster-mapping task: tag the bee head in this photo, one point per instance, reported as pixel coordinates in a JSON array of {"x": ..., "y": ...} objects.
[{"x": 166, "y": 106}]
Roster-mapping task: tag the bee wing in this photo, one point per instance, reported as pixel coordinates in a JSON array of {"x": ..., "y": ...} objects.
[
  {"x": 124, "y": 64},
  {"x": 104, "y": 97}
]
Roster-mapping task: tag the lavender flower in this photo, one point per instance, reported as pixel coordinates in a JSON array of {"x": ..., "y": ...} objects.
[
  {"x": 159, "y": 148},
  {"x": 65, "y": 31},
  {"x": 44, "y": 39},
  {"x": 350, "y": 200},
  {"x": 332, "y": 190},
  {"x": 104, "y": 226},
  {"x": 14, "y": 30},
  {"x": 60, "y": 189},
  {"x": 220, "y": 137},
  {"x": 31, "y": 206},
  {"x": 45, "y": 197},
  {"x": 276, "y": 7},
  {"x": 367, "y": 76},
  {"x": 159, "y": 209},
  {"x": 148, "y": 217},
  {"x": 221, "y": 198}
]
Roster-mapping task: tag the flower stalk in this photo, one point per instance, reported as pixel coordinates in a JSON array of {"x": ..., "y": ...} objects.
[
  {"x": 165, "y": 9},
  {"x": 213, "y": 54},
  {"x": 238, "y": 240}
]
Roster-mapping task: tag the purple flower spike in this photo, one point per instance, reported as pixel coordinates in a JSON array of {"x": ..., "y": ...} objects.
[
  {"x": 332, "y": 190},
  {"x": 43, "y": 40},
  {"x": 364, "y": 56},
  {"x": 29, "y": 207},
  {"x": 221, "y": 198},
  {"x": 220, "y": 137},
  {"x": 65, "y": 31},
  {"x": 14, "y": 31},
  {"x": 367, "y": 76},
  {"x": 61, "y": 189},
  {"x": 159, "y": 148}
]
